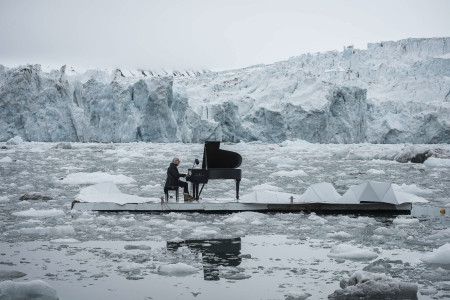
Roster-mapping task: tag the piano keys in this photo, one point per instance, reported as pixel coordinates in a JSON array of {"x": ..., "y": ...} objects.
[{"x": 216, "y": 164}]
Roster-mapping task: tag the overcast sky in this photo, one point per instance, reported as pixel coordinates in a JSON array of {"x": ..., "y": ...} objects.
[{"x": 215, "y": 35}]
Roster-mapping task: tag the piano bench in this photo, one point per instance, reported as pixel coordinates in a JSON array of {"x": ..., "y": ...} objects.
[{"x": 171, "y": 188}]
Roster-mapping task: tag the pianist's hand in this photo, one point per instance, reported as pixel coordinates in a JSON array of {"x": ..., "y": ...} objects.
[{"x": 187, "y": 175}]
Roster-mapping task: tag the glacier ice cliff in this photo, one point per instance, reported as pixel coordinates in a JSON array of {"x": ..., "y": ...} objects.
[{"x": 392, "y": 92}]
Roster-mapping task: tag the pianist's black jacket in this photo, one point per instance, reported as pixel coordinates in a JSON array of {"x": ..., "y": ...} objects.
[{"x": 173, "y": 175}]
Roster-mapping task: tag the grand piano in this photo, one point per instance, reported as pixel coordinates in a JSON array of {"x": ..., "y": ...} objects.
[{"x": 216, "y": 164}]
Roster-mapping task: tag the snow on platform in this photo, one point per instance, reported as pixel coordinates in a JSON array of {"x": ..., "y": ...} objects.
[{"x": 368, "y": 197}]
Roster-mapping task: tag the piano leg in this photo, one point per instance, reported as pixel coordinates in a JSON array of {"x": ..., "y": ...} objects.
[
  {"x": 237, "y": 188},
  {"x": 195, "y": 191}
]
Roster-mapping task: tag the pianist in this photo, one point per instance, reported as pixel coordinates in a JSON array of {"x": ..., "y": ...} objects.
[{"x": 173, "y": 179}]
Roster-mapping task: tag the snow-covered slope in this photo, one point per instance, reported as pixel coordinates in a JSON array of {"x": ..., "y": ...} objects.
[{"x": 393, "y": 92}]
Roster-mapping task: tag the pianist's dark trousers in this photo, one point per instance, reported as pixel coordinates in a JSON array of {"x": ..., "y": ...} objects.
[{"x": 184, "y": 185}]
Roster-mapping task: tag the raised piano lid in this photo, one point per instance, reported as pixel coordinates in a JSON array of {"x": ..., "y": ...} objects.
[{"x": 213, "y": 157}]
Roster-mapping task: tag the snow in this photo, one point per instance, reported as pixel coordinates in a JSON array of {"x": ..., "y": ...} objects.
[
  {"x": 43, "y": 213},
  {"x": 33, "y": 290},
  {"x": 347, "y": 251},
  {"x": 178, "y": 269},
  {"x": 96, "y": 177},
  {"x": 439, "y": 256}
]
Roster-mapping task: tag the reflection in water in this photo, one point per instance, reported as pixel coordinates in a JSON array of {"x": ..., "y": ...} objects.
[{"x": 215, "y": 252}]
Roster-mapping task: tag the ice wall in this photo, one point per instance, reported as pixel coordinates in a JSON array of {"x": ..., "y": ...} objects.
[{"x": 393, "y": 92}]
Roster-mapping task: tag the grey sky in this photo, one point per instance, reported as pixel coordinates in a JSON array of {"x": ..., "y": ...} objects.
[{"x": 216, "y": 35}]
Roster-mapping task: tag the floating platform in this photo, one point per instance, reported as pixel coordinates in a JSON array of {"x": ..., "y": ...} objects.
[{"x": 231, "y": 207}]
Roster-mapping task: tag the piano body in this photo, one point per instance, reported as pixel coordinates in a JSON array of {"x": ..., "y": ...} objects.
[{"x": 216, "y": 164}]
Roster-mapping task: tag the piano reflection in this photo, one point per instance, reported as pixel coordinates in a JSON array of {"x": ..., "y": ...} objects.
[
  {"x": 215, "y": 253},
  {"x": 216, "y": 164}
]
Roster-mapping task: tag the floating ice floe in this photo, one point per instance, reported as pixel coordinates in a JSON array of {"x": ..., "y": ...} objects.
[
  {"x": 96, "y": 177},
  {"x": 45, "y": 213},
  {"x": 439, "y": 256},
  {"x": 346, "y": 251},
  {"x": 36, "y": 289},
  {"x": 364, "y": 285},
  {"x": 437, "y": 162},
  {"x": 108, "y": 192},
  {"x": 405, "y": 222},
  {"x": 178, "y": 269}
]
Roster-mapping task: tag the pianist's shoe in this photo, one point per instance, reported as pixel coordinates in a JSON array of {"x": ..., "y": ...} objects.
[{"x": 187, "y": 197}]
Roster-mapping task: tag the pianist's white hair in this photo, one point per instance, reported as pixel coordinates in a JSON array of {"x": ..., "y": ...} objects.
[{"x": 175, "y": 159}]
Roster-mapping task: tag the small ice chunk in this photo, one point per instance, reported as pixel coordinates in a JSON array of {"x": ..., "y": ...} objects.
[
  {"x": 442, "y": 235},
  {"x": 295, "y": 295},
  {"x": 401, "y": 221},
  {"x": 45, "y": 213},
  {"x": 15, "y": 141},
  {"x": 178, "y": 269},
  {"x": 363, "y": 285},
  {"x": 35, "y": 289},
  {"x": 244, "y": 218},
  {"x": 341, "y": 235},
  {"x": 293, "y": 173},
  {"x": 439, "y": 256},
  {"x": 137, "y": 247},
  {"x": 412, "y": 189},
  {"x": 351, "y": 252},
  {"x": 375, "y": 172},
  {"x": 315, "y": 218},
  {"x": 64, "y": 241},
  {"x": 57, "y": 230},
  {"x": 266, "y": 187},
  {"x": 6, "y": 159}
]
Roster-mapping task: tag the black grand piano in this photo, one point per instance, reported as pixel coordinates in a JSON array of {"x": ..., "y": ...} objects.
[{"x": 216, "y": 164}]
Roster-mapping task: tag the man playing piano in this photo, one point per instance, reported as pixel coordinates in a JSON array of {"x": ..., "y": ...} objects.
[{"x": 173, "y": 179}]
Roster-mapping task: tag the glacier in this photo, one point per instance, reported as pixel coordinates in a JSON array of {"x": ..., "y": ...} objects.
[{"x": 391, "y": 92}]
